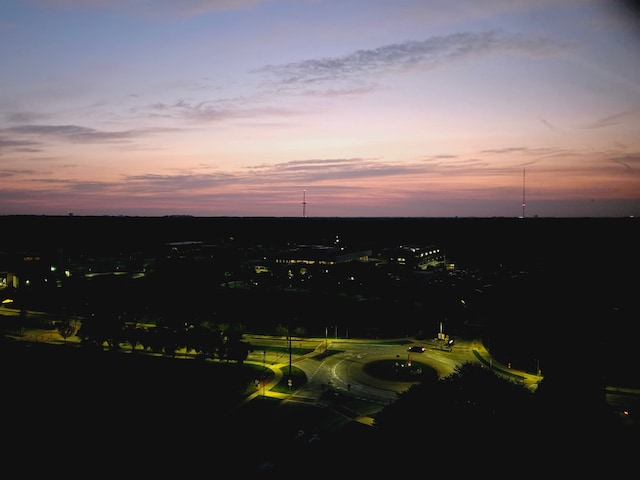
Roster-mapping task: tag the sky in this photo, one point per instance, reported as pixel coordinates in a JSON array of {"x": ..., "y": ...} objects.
[{"x": 320, "y": 108}]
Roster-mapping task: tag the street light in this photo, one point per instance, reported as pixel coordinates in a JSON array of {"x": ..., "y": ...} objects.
[
  {"x": 326, "y": 338},
  {"x": 289, "y": 337},
  {"x": 264, "y": 371}
]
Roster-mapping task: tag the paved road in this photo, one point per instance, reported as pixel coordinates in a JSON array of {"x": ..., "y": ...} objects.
[{"x": 343, "y": 369}]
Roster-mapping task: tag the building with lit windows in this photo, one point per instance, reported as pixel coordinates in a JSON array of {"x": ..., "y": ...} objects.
[
  {"x": 318, "y": 255},
  {"x": 413, "y": 256}
]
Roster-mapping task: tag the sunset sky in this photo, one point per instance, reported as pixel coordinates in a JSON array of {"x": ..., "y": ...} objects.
[{"x": 360, "y": 108}]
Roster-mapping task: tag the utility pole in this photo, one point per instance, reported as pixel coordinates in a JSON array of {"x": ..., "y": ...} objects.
[
  {"x": 289, "y": 336},
  {"x": 326, "y": 338}
]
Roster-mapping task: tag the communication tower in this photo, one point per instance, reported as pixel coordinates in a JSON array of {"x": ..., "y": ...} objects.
[
  {"x": 304, "y": 203},
  {"x": 523, "y": 199}
]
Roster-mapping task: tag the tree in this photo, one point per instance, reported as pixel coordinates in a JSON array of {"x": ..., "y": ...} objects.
[
  {"x": 98, "y": 329},
  {"x": 473, "y": 400},
  {"x": 238, "y": 350},
  {"x": 67, "y": 328},
  {"x": 300, "y": 332}
]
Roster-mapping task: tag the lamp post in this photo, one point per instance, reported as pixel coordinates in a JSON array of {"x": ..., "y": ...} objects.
[
  {"x": 289, "y": 337},
  {"x": 326, "y": 339}
]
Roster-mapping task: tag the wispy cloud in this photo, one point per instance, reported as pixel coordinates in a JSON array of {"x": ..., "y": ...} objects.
[
  {"x": 609, "y": 120},
  {"x": 212, "y": 111},
  {"x": 38, "y": 134},
  {"x": 159, "y": 105},
  {"x": 550, "y": 126},
  {"x": 7, "y": 173},
  {"x": 630, "y": 162},
  {"x": 17, "y": 145},
  {"x": 522, "y": 150},
  {"x": 426, "y": 54},
  {"x": 352, "y": 74}
]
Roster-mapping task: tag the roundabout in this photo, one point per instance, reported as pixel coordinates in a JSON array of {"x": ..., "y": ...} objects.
[{"x": 395, "y": 371}]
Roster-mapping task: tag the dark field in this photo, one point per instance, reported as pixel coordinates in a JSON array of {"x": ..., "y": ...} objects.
[
  {"x": 594, "y": 243},
  {"x": 579, "y": 293},
  {"x": 153, "y": 416},
  {"x": 119, "y": 414}
]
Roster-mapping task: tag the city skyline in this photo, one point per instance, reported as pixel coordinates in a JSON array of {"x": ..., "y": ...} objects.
[{"x": 320, "y": 108}]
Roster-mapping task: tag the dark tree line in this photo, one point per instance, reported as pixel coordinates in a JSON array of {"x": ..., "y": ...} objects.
[
  {"x": 475, "y": 420},
  {"x": 203, "y": 340}
]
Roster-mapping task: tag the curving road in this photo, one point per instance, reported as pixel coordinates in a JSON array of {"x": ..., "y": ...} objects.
[{"x": 342, "y": 368}]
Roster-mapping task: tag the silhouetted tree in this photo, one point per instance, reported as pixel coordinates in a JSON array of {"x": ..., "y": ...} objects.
[
  {"x": 472, "y": 401},
  {"x": 100, "y": 328},
  {"x": 67, "y": 328},
  {"x": 238, "y": 351}
]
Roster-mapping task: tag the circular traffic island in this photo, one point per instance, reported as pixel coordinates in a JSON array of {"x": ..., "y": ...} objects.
[{"x": 395, "y": 370}]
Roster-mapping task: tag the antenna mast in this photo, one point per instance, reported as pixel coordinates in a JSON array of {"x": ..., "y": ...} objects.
[
  {"x": 304, "y": 203},
  {"x": 523, "y": 201}
]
